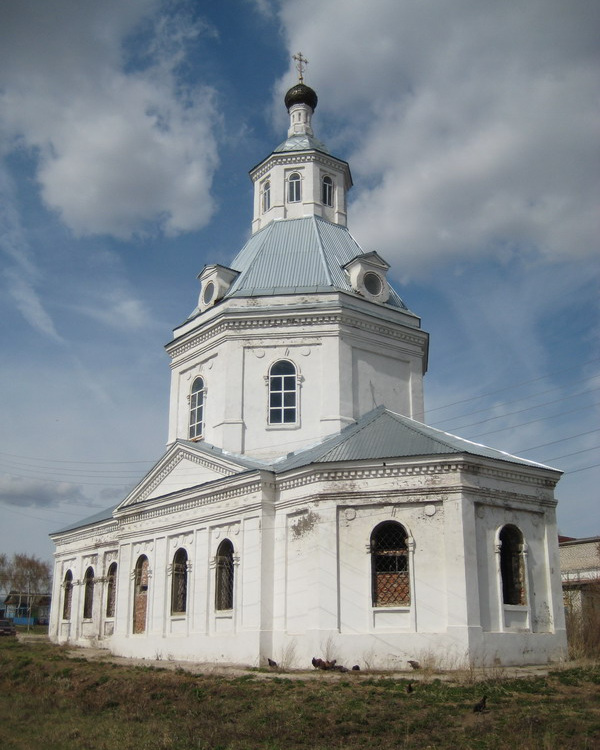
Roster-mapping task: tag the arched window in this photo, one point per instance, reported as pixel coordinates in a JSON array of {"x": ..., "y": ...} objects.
[
  {"x": 283, "y": 393},
  {"x": 266, "y": 196},
  {"x": 197, "y": 401},
  {"x": 68, "y": 587},
  {"x": 512, "y": 568},
  {"x": 179, "y": 582},
  {"x": 111, "y": 590},
  {"x": 140, "y": 594},
  {"x": 88, "y": 595},
  {"x": 327, "y": 191},
  {"x": 224, "y": 576},
  {"x": 294, "y": 190},
  {"x": 389, "y": 565}
]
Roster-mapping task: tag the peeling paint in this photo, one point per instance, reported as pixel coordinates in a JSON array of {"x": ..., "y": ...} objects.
[{"x": 305, "y": 524}]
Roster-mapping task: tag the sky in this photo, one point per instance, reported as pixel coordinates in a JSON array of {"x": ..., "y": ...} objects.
[{"x": 127, "y": 130}]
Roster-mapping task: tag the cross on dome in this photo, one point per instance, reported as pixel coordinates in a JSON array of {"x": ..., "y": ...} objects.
[{"x": 301, "y": 63}]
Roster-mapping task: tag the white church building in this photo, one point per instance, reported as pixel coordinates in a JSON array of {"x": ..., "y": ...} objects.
[{"x": 302, "y": 507}]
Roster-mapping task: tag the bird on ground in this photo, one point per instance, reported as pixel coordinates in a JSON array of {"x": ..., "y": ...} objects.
[
  {"x": 356, "y": 668},
  {"x": 272, "y": 663},
  {"x": 409, "y": 688},
  {"x": 414, "y": 664},
  {"x": 480, "y": 706}
]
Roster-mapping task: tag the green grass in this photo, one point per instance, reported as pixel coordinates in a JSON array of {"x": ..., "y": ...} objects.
[{"x": 49, "y": 700}]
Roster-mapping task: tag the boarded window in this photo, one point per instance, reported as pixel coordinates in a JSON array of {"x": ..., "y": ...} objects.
[
  {"x": 389, "y": 565},
  {"x": 111, "y": 590},
  {"x": 88, "y": 596},
  {"x": 68, "y": 595},
  {"x": 140, "y": 595},
  {"x": 511, "y": 565},
  {"x": 224, "y": 576},
  {"x": 179, "y": 582}
]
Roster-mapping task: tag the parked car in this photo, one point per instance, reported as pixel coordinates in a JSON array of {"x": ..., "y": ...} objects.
[{"x": 7, "y": 628}]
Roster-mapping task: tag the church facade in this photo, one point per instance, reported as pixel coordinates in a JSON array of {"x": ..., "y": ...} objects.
[{"x": 302, "y": 507}]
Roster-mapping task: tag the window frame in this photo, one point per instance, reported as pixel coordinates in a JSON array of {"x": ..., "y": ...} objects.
[
  {"x": 390, "y": 566},
  {"x": 88, "y": 594},
  {"x": 512, "y": 566},
  {"x": 266, "y": 196},
  {"x": 288, "y": 396},
  {"x": 327, "y": 191},
  {"x": 294, "y": 191},
  {"x": 224, "y": 577},
  {"x": 68, "y": 595},
  {"x": 197, "y": 409},
  {"x": 179, "y": 582},
  {"x": 111, "y": 590},
  {"x": 141, "y": 587}
]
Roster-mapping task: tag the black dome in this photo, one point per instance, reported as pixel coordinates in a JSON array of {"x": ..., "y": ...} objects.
[{"x": 301, "y": 94}]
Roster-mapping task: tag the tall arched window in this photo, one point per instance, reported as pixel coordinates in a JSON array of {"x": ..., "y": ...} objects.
[
  {"x": 512, "y": 568},
  {"x": 266, "y": 196},
  {"x": 197, "y": 401},
  {"x": 390, "y": 585},
  {"x": 68, "y": 595},
  {"x": 224, "y": 576},
  {"x": 88, "y": 595},
  {"x": 294, "y": 188},
  {"x": 283, "y": 393},
  {"x": 179, "y": 582},
  {"x": 111, "y": 590},
  {"x": 140, "y": 594},
  {"x": 327, "y": 191}
]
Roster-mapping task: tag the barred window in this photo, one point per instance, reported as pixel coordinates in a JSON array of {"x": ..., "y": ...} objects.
[
  {"x": 140, "y": 594},
  {"x": 512, "y": 568},
  {"x": 88, "y": 596},
  {"x": 179, "y": 582},
  {"x": 283, "y": 393},
  {"x": 389, "y": 565},
  {"x": 68, "y": 587},
  {"x": 111, "y": 590},
  {"x": 294, "y": 190},
  {"x": 327, "y": 191},
  {"x": 197, "y": 401},
  {"x": 224, "y": 576}
]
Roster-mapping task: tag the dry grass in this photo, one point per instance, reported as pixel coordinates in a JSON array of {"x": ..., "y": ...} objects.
[{"x": 51, "y": 700}]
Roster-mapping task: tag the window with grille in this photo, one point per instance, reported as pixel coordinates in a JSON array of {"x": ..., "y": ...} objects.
[
  {"x": 111, "y": 590},
  {"x": 266, "y": 196},
  {"x": 179, "y": 582},
  {"x": 68, "y": 587},
  {"x": 389, "y": 565},
  {"x": 197, "y": 402},
  {"x": 294, "y": 190},
  {"x": 88, "y": 595},
  {"x": 283, "y": 393},
  {"x": 511, "y": 565},
  {"x": 140, "y": 594},
  {"x": 224, "y": 576},
  {"x": 327, "y": 191}
]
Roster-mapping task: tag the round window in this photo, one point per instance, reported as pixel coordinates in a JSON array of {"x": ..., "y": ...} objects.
[
  {"x": 208, "y": 293},
  {"x": 373, "y": 283}
]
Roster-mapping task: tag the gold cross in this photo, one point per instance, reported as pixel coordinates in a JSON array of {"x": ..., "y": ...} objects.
[{"x": 301, "y": 62}]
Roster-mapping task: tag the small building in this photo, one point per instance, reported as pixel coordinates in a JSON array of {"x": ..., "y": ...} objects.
[
  {"x": 580, "y": 574},
  {"x": 25, "y": 608}
]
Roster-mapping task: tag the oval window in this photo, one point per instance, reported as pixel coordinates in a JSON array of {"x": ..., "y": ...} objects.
[
  {"x": 373, "y": 283},
  {"x": 209, "y": 293}
]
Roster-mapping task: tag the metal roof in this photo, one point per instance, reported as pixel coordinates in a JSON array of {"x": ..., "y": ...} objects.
[
  {"x": 103, "y": 515},
  {"x": 301, "y": 142},
  {"x": 383, "y": 434},
  {"x": 298, "y": 256}
]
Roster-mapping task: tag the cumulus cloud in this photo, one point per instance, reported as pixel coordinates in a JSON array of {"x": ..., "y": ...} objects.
[
  {"x": 472, "y": 126},
  {"x": 123, "y": 146},
  {"x": 24, "y": 492}
]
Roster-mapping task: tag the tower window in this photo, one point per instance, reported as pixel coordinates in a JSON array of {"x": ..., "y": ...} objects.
[
  {"x": 197, "y": 401},
  {"x": 390, "y": 585},
  {"x": 511, "y": 565},
  {"x": 224, "y": 576},
  {"x": 283, "y": 393},
  {"x": 327, "y": 191},
  {"x": 294, "y": 191},
  {"x": 266, "y": 196}
]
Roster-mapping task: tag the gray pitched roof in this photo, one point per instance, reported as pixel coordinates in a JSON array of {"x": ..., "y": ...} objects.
[
  {"x": 383, "y": 434},
  {"x": 301, "y": 142},
  {"x": 297, "y": 256},
  {"x": 103, "y": 515}
]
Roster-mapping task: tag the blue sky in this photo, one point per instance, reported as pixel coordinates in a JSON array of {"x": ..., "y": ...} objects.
[{"x": 126, "y": 134}]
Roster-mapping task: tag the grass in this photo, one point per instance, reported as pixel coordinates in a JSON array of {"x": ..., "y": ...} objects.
[{"x": 51, "y": 700}]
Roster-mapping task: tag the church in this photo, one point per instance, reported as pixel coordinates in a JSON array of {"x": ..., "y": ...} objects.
[{"x": 302, "y": 507}]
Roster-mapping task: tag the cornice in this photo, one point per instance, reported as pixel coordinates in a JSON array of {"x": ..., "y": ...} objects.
[{"x": 285, "y": 158}]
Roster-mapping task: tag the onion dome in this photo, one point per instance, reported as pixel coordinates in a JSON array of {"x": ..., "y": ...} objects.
[{"x": 301, "y": 94}]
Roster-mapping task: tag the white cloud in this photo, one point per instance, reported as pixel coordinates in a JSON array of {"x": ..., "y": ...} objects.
[
  {"x": 121, "y": 149},
  {"x": 474, "y": 125}
]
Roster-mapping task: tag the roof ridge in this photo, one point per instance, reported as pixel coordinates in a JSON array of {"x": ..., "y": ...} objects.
[{"x": 322, "y": 250}]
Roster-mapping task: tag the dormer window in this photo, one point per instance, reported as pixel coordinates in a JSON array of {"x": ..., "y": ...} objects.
[
  {"x": 266, "y": 197},
  {"x": 294, "y": 188},
  {"x": 327, "y": 191}
]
